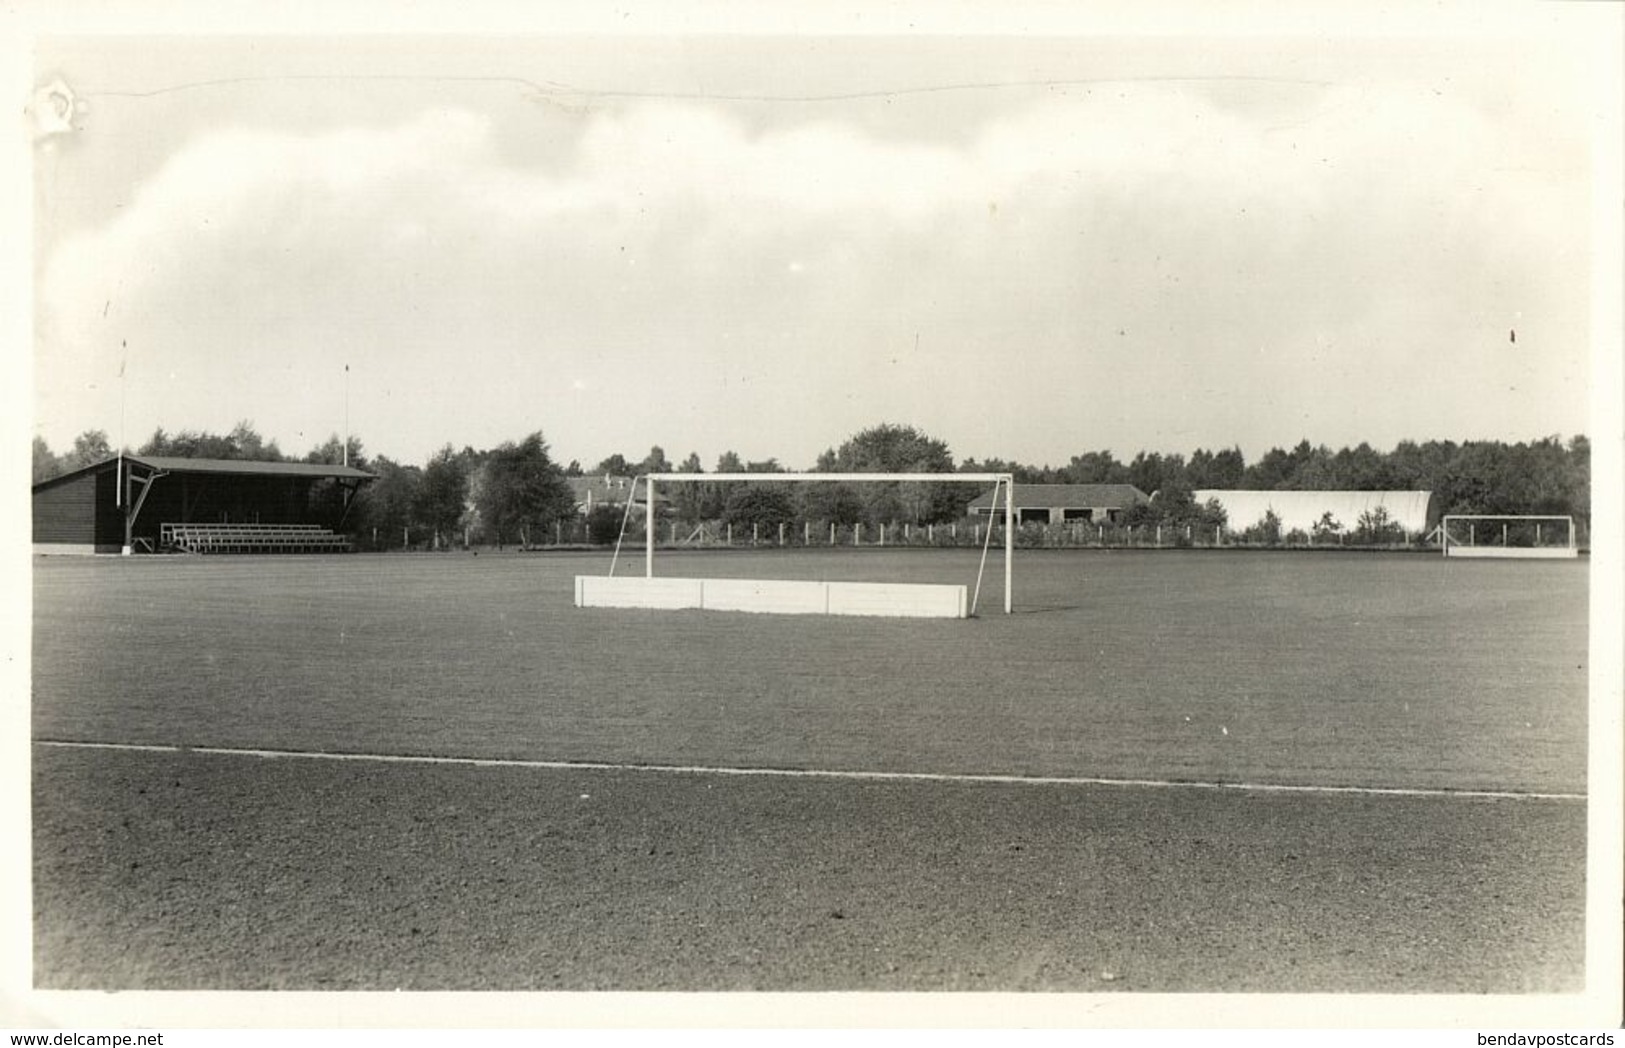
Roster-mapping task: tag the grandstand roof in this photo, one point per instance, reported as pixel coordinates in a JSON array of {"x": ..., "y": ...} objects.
[
  {"x": 235, "y": 467},
  {"x": 602, "y": 489},
  {"x": 1066, "y": 496},
  {"x": 277, "y": 469}
]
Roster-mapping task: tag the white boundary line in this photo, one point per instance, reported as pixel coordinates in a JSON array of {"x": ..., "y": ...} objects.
[{"x": 813, "y": 773}]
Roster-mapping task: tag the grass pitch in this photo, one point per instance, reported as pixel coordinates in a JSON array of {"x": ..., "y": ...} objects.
[
  {"x": 1322, "y": 670},
  {"x": 186, "y": 870},
  {"x": 203, "y": 871}
]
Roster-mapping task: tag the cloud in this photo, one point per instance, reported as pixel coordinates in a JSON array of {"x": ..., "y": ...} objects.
[{"x": 694, "y": 272}]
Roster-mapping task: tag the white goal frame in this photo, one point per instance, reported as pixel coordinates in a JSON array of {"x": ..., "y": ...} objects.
[
  {"x": 1472, "y": 549},
  {"x": 1006, "y": 479}
]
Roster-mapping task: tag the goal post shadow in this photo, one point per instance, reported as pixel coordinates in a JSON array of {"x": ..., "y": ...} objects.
[{"x": 787, "y": 597}]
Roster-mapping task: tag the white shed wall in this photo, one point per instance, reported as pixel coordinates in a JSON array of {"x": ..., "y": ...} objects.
[{"x": 1303, "y": 509}]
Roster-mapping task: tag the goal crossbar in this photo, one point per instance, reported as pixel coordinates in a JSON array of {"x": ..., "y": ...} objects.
[{"x": 1006, "y": 479}]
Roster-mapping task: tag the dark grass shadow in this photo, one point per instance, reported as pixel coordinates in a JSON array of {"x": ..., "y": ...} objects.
[{"x": 1033, "y": 609}]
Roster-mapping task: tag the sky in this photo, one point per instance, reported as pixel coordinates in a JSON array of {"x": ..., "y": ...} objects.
[{"x": 1027, "y": 246}]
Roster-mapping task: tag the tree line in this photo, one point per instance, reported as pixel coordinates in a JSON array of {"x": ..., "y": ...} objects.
[
  {"x": 517, "y": 493},
  {"x": 1546, "y": 476}
]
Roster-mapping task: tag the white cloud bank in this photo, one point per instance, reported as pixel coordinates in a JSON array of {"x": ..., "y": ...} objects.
[{"x": 1139, "y": 266}]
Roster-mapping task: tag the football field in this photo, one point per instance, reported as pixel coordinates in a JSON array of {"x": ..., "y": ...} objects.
[{"x": 1167, "y": 772}]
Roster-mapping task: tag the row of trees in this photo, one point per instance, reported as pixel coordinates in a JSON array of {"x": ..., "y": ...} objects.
[
  {"x": 243, "y": 442},
  {"x": 1546, "y": 476},
  {"x": 513, "y": 492},
  {"x": 880, "y": 449},
  {"x": 1486, "y": 476}
]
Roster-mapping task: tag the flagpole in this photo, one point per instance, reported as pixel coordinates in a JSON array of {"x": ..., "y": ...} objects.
[
  {"x": 346, "y": 414},
  {"x": 118, "y": 494},
  {"x": 123, "y": 400}
]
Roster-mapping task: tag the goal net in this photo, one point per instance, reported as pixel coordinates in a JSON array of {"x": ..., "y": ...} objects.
[
  {"x": 787, "y": 596},
  {"x": 1515, "y": 536}
]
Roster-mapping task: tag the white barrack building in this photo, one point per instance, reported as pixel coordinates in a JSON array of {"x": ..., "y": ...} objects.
[{"x": 1304, "y": 510}]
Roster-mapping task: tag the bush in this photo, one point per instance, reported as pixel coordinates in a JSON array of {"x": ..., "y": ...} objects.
[
  {"x": 766, "y": 506},
  {"x": 604, "y": 524},
  {"x": 1266, "y": 532},
  {"x": 1376, "y": 528}
]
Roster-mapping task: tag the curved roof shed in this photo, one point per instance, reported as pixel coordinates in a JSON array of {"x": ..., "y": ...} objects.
[{"x": 1302, "y": 510}]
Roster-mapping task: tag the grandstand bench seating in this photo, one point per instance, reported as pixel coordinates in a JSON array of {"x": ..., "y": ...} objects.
[{"x": 251, "y": 538}]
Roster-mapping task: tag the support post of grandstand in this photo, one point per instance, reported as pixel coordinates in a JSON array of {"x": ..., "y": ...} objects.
[{"x": 121, "y": 497}]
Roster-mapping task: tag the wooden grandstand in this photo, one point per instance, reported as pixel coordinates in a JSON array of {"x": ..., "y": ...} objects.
[
  {"x": 251, "y": 538},
  {"x": 151, "y": 503}
]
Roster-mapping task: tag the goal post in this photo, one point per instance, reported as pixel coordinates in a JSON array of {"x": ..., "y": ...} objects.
[
  {"x": 837, "y": 598},
  {"x": 1508, "y": 536}
]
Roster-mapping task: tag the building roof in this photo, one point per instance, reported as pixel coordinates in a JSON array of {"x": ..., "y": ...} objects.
[
  {"x": 1302, "y": 510},
  {"x": 173, "y": 464},
  {"x": 607, "y": 490},
  {"x": 233, "y": 467},
  {"x": 1065, "y": 496}
]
